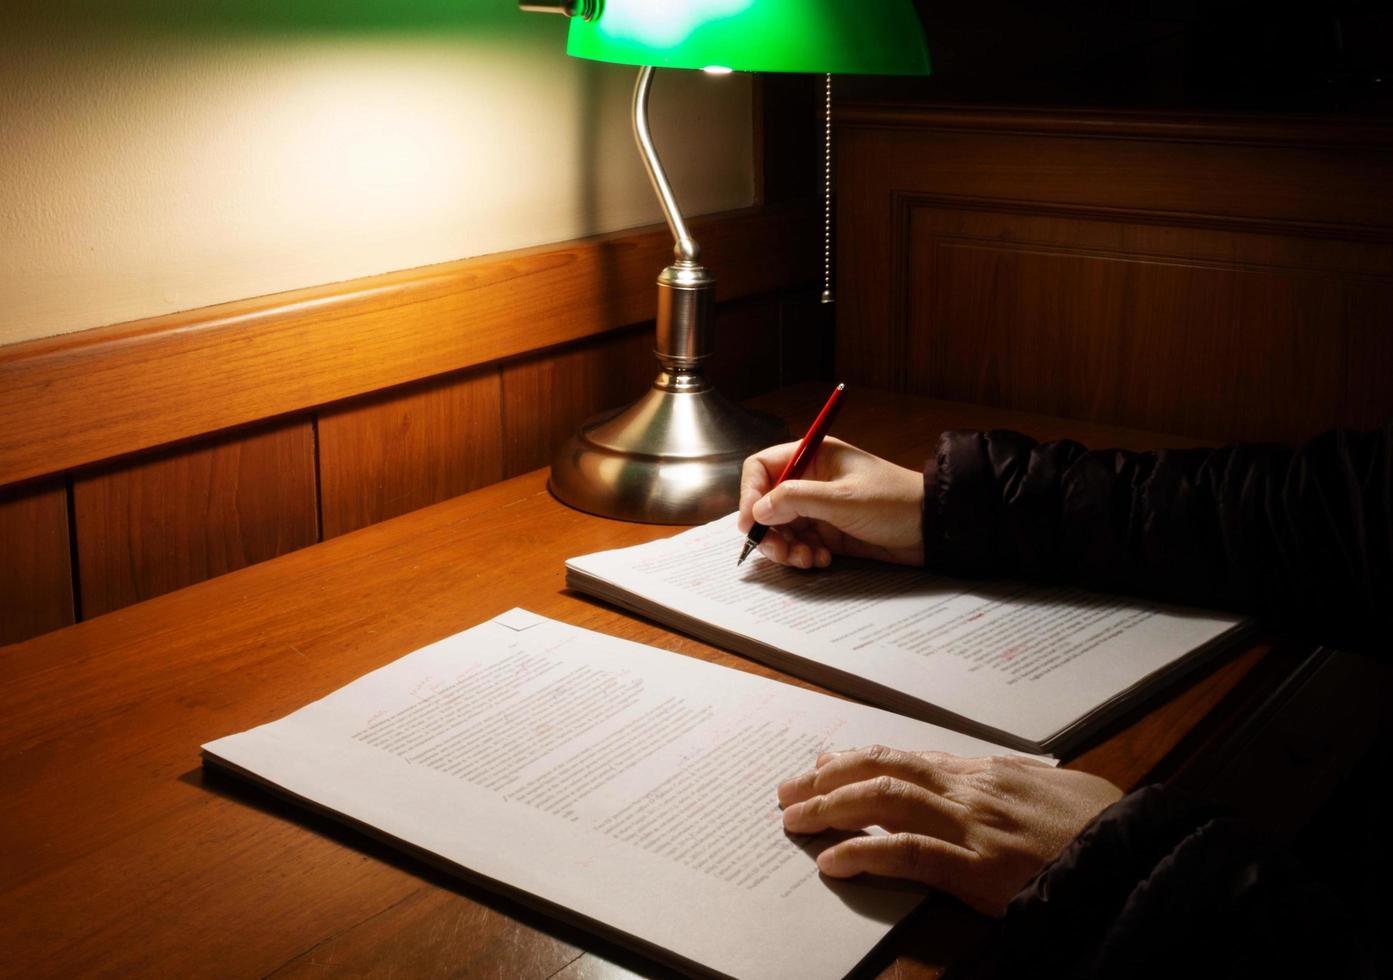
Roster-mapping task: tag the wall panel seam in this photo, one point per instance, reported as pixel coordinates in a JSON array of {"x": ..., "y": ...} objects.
[{"x": 73, "y": 571}]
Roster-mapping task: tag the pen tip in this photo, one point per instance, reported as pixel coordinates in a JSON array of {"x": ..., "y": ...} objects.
[{"x": 745, "y": 552}]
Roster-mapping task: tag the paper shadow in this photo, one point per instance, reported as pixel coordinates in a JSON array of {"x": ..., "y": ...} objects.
[
  {"x": 869, "y": 581},
  {"x": 878, "y": 899},
  {"x": 940, "y": 930}
]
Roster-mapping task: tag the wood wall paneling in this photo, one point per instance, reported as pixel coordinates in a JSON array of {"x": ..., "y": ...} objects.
[
  {"x": 1224, "y": 282},
  {"x": 1367, "y": 307},
  {"x": 157, "y": 518},
  {"x": 547, "y": 396},
  {"x": 156, "y": 523},
  {"x": 807, "y": 337},
  {"x": 145, "y": 384},
  {"x": 868, "y": 273},
  {"x": 1239, "y": 171},
  {"x": 746, "y": 361},
  {"x": 1035, "y": 313},
  {"x": 36, "y": 585},
  {"x": 1217, "y": 128},
  {"x": 399, "y": 450}
]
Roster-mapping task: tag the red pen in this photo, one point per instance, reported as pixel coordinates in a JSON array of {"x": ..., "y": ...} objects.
[{"x": 799, "y": 461}]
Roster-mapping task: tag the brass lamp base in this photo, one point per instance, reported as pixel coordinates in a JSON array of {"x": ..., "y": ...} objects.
[{"x": 672, "y": 457}]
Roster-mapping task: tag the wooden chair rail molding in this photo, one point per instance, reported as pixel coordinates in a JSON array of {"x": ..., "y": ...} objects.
[
  {"x": 69, "y": 401},
  {"x": 1218, "y": 276}
]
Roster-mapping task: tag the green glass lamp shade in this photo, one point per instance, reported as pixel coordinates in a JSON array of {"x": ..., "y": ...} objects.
[{"x": 860, "y": 37}]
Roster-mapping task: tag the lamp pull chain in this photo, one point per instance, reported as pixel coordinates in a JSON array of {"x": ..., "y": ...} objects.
[{"x": 827, "y": 199}]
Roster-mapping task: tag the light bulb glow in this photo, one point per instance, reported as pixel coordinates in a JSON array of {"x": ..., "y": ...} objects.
[{"x": 819, "y": 36}]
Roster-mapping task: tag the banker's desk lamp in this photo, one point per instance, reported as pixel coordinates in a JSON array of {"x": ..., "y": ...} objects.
[{"x": 674, "y": 456}]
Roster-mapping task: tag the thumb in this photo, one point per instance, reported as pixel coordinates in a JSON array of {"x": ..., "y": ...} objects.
[{"x": 815, "y": 499}]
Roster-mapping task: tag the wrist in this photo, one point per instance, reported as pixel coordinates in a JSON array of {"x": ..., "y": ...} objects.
[{"x": 904, "y": 490}]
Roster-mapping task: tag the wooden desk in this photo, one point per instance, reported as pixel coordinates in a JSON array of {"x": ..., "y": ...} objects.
[{"x": 121, "y": 856}]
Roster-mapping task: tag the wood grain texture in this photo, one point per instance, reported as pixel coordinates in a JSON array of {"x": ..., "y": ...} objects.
[
  {"x": 399, "y": 450},
  {"x": 36, "y": 582},
  {"x": 747, "y": 360},
  {"x": 1226, "y": 277},
  {"x": 1160, "y": 328},
  {"x": 547, "y": 396},
  {"x": 113, "y": 825},
  {"x": 1269, "y": 129},
  {"x": 433, "y": 932},
  {"x": 1245, "y": 171},
  {"x": 807, "y": 337},
  {"x": 156, "y": 523},
  {"x": 87, "y": 397}
]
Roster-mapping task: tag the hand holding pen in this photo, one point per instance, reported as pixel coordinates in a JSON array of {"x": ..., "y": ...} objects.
[
  {"x": 797, "y": 462},
  {"x": 843, "y": 500}
]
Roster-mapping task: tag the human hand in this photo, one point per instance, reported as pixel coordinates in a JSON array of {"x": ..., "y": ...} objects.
[
  {"x": 849, "y": 502},
  {"x": 978, "y": 829}
]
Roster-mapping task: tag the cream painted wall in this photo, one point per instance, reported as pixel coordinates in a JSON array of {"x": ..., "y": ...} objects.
[{"x": 148, "y": 173}]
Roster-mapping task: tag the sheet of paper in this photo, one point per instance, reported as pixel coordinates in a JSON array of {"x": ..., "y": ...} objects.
[
  {"x": 631, "y": 786},
  {"x": 1026, "y": 660}
]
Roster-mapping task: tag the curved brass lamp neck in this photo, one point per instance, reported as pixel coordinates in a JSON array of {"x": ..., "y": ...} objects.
[{"x": 687, "y": 251}]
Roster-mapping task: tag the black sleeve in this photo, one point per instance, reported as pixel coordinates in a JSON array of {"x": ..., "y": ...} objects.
[
  {"x": 1163, "y": 885},
  {"x": 1303, "y": 537}
]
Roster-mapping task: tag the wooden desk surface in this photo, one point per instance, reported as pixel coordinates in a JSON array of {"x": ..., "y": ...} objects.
[{"x": 119, "y": 855}]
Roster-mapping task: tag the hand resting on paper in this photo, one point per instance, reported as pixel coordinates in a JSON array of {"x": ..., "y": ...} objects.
[
  {"x": 978, "y": 829},
  {"x": 850, "y": 502}
]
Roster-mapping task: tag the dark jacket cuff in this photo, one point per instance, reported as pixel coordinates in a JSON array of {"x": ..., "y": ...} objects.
[{"x": 1161, "y": 884}]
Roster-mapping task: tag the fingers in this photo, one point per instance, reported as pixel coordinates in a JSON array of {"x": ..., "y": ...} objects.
[
  {"x": 936, "y": 863},
  {"x": 838, "y": 769},
  {"x": 880, "y": 802},
  {"x": 760, "y": 471},
  {"x": 977, "y": 828},
  {"x": 816, "y": 499},
  {"x": 941, "y": 761},
  {"x": 799, "y": 546},
  {"x": 757, "y": 475}
]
